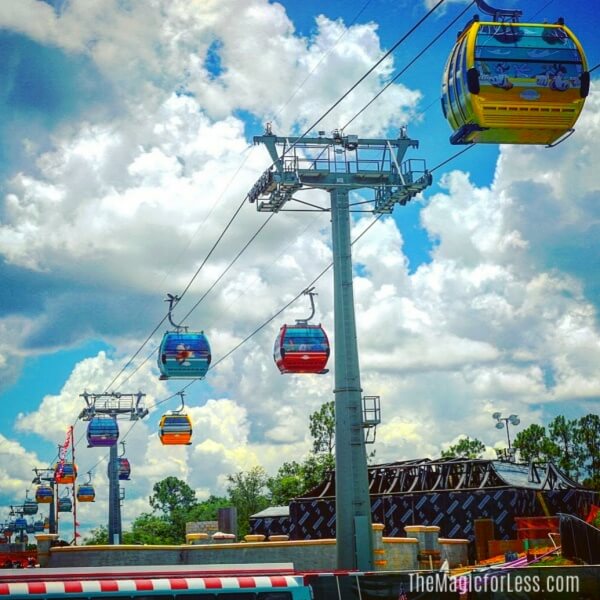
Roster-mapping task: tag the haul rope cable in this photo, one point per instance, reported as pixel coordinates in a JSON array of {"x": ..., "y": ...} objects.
[
  {"x": 392, "y": 49},
  {"x": 243, "y": 201}
]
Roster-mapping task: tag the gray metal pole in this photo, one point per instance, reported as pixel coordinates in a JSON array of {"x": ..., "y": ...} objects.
[
  {"x": 52, "y": 528},
  {"x": 353, "y": 507},
  {"x": 114, "y": 500}
]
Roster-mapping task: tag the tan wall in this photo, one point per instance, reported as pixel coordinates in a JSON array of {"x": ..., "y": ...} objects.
[
  {"x": 208, "y": 527},
  {"x": 389, "y": 554},
  {"x": 455, "y": 551},
  {"x": 306, "y": 555}
]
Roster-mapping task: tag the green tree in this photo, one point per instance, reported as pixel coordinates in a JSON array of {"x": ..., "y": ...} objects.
[
  {"x": 315, "y": 469},
  {"x": 172, "y": 494},
  {"x": 173, "y": 499},
  {"x": 588, "y": 436},
  {"x": 322, "y": 428},
  {"x": 465, "y": 448},
  {"x": 97, "y": 537},
  {"x": 208, "y": 510},
  {"x": 247, "y": 493},
  {"x": 564, "y": 446},
  {"x": 287, "y": 484},
  {"x": 153, "y": 529},
  {"x": 293, "y": 479},
  {"x": 534, "y": 445}
]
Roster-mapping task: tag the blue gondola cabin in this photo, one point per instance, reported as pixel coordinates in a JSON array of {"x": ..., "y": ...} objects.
[
  {"x": 102, "y": 431},
  {"x": 85, "y": 493},
  {"x": 44, "y": 494},
  {"x": 65, "y": 473},
  {"x": 184, "y": 355},
  {"x": 65, "y": 504}
]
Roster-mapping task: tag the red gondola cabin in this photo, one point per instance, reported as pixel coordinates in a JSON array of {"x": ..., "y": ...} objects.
[{"x": 301, "y": 349}]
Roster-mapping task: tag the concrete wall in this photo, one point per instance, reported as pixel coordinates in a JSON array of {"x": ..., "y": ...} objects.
[
  {"x": 389, "y": 554},
  {"x": 401, "y": 553},
  {"x": 455, "y": 551},
  {"x": 306, "y": 555}
]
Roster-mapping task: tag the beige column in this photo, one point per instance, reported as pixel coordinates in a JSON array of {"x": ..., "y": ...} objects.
[
  {"x": 44, "y": 541},
  {"x": 380, "y": 562}
]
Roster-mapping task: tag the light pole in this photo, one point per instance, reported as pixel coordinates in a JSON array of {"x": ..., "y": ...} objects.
[{"x": 501, "y": 422}]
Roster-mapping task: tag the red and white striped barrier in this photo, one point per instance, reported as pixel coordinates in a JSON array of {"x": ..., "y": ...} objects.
[{"x": 43, "y": 588}]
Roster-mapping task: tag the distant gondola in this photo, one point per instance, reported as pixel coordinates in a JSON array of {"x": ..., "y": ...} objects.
[
  {"x": 20, "y": 524},
  {"x": 302, "y": 348},
  {"x": 44, "y": 494},
  {"x": 38, "y": 526},
  {"x": 86, "y": 491},
  {"x": 507, "y": 82},
  {"x": 30, "y": 507},
  {"x": 124, "y": 469},
  {"x": 183, "y": 354},
  {"x": 65, "y": 504},
  {"x": 65, "y": 473},
  {"x": 102, "y": 431},
  {"x": 175, "y": 427}
]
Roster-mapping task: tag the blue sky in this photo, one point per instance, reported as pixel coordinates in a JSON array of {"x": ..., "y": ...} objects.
[{"x": 125, "y": 147}]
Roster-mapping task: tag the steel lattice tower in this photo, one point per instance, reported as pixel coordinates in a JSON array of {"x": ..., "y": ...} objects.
[
  {"x": 339, "y": 164},
  {"x": 116, "y": 405}
]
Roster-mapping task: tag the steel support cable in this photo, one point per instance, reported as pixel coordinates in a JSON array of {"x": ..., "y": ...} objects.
[
  {"x": 540, "y": 10},
  {"x": 392, "y": 49},
  {"x": 235, "y": 214},
  {"x": 352, "y": 88},
  {"x": 355, "y": 85},
  {"x": 224, "y": 272},
  {"x": 405, "y": 68},
  {"x": 263, "y": 325},
  {"x": 204, "y": 295},
  {"x": 453, "y": 157},
  {"x": 594, "y": 68},
  {"x": 323, "y": 57},
  {"x": 214, "y": 247}
]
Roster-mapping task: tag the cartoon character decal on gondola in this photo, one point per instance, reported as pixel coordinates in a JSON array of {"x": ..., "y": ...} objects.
[
  {"x": 183, "y": 354},
  {"x": 507, "y": 82}
]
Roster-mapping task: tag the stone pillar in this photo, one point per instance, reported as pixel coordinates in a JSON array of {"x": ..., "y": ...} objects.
[
  {"x": 379, "y": 557},
  {"x": 44, "y": 541},
  {"x": 429, "y": 547},
  {"x": 196, "y": 538}
]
